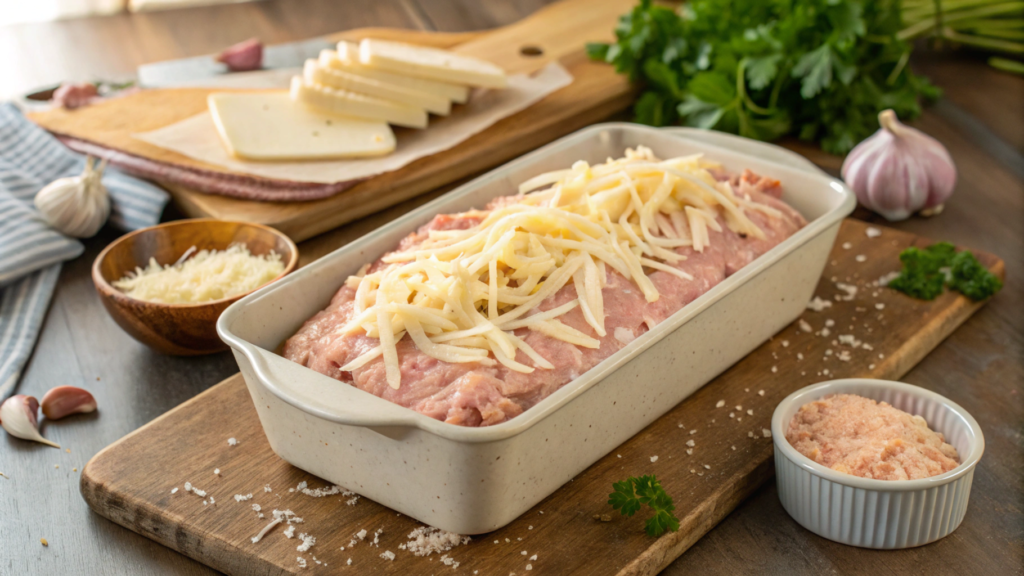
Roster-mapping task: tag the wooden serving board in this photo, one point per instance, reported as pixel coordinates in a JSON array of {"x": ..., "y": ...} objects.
[
  {"x": 559, "y": 31},
  {"x": 130, "y": 482}
]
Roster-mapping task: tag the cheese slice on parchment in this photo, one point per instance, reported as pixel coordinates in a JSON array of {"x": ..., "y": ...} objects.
[
  {"x": 314, "y": 73},
  {"x": 270, "y": 126},
  {"x": 431, "y": 63},
  {"x": 347, "y": 59},
  {"x": 352, "y": 104}
]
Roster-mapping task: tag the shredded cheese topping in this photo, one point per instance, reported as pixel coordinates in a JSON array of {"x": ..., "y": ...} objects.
[
  {"x": 209, "y": 275},
  {"x": 460, "y": 294}
]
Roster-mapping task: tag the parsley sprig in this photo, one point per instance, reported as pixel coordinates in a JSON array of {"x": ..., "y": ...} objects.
[
  {"x": 632, "y": 493},
  {"x": 927, "y": 270},
  {"x": 819, "y": 69}
]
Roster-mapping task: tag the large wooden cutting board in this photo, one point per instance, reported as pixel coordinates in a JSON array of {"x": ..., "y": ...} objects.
[
  {"x": 130, "y": 482},
  {"x": 559, "y": 32}
]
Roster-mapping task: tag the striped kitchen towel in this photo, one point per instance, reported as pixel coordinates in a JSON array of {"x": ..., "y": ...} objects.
[{"x": 31, "y": 251}]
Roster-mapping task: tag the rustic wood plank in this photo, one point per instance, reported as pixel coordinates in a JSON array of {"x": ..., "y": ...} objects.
[{"x": 130, "y": 481}]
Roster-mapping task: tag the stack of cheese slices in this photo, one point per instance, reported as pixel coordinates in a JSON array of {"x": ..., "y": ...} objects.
[{"x": 343, "y": 103}]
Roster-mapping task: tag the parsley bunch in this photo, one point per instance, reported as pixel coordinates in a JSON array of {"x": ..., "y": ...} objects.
[
  {"x": 926, "y": 271},
  {"x": 632, "y": 493},
  {"x": 820, "y": 69}
]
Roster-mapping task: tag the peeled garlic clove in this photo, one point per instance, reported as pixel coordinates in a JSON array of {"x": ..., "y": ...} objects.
[
  {"x": 900, "y": 170},
  {"x": 18, "y": 417},
  {"x": 77, "y": 206},
  {"x": 66, "y": 400}
]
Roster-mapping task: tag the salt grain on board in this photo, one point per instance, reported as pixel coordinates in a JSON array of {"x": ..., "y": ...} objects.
[
  {"x": 232, "y": 442},
  {"x": 872, "y": 232},
  {"x": 653, "y": 459}
]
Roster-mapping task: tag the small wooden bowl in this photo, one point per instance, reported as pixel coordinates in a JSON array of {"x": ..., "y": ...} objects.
[{"x": 179, "y": 329}]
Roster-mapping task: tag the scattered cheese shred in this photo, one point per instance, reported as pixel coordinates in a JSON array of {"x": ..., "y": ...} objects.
[
  {"x": 209, "y": 275},
  {"x": 460, "y": 294}
]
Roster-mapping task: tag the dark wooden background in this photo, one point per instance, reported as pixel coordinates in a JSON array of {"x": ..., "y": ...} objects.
[{"x": 981, "y": 366}]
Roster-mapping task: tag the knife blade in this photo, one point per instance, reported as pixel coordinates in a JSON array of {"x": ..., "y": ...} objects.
[{"x": 202, "y": 69}]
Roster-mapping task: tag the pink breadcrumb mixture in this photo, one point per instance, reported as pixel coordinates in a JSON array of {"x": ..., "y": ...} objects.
[{"x": 870, "y": 439}]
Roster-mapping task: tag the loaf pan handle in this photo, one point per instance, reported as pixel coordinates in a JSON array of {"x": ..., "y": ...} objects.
[{"x": 324, "y": 396}]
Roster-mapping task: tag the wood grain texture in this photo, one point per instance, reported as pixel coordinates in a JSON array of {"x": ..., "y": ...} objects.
[
  {"x": 179, "y": 329},
  {"x": 558, "y": 31},
  {"x": 130, "y": 481}
]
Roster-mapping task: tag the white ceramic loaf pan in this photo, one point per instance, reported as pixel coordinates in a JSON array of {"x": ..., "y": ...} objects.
[
  {"x": 474, "y": 480},
  {"x": 872, "y": 513}
]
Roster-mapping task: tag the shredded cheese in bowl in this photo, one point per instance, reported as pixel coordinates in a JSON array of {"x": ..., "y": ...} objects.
[
  {"x": 207, "y": 276},
  {"x": 460, "y": 294}
]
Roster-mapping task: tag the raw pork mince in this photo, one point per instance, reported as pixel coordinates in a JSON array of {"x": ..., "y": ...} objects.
[{"x": 474, "y": 395}]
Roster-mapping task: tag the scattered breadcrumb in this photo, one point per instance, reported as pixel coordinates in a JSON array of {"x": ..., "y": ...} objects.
[
  {"x": 872, "y": 232},
  {"x": 750, "y": 412},
  {"x": 774, "y": 369},
  {"x": 241, "y": 498},
  {"x": 805, "y": 326},
  {"x": 307, "y": 542},
  {"x": 301, "y": 561},
  {"x": 427, "y": 540},
  {"x": 766, "y": 432},
  {"x": 861, "y": 258},
  {"x": 289, "y": 532},
  {"x": 232, "y": 442},
  {"x": 449, "y": 561},
  {"x": 654, "y": 458},
  {"x": 818, "y": 304},
  {"x": 760, "y": 392},
  {"x": 692, "y": 432},
  {"x": 533, "y": 558},
  {"x": 785, "y": 343},
  {"x": 849, "y": 289},
  {"x": 266, "y": 488},
  {"x": 880, "y": 306},
  {"x": 44, "y": 542},
  {"x": 529, "y": 566},
  {"x": 387, "y": 555},
  {"x": 718, "y": 404},
  {"x": 174, "y": 490},
  {"x": 847, "y": 245},
  {"x": 691, "y": 443}
]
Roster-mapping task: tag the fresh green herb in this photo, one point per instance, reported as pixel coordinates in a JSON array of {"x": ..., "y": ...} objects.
[
  {"x": 632, "y": 493},
  {"x": 819, "y": 69},
  {"x": 971, "y": 279},
  {"x": 926, "y": 271}
]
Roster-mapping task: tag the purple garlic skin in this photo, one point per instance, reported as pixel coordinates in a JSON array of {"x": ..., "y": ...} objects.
[
  {"x": 900, "y": 170},
  {"x": 66, "y": 400},
  {"x": 18, "y": 418},
  {"x": 244, "y": 56}
]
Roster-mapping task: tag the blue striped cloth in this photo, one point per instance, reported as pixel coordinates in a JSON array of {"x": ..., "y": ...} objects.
[{"x": 30, "y": 251}]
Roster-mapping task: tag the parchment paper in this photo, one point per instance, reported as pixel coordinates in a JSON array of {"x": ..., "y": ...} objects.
[{"x": 197, "y": 137}]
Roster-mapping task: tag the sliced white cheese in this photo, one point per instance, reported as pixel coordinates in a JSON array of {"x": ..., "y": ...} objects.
[
  {"x": 314, "y": 73},
  {"x": 352, "y": 104},
  {"x": 347, "y": 59},
  {"x": 270, "y": 126},
  {"x": 431, "y": 63}
]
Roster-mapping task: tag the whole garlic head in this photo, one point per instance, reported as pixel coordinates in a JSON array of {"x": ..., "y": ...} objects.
[
  {"x": 900, "y": 170},
  {"x": 77, "y": 206}
]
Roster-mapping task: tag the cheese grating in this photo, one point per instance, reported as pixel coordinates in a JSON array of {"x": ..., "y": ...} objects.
[
  {"x": 209, "y": 275},
  {"x": 460, "y": 294}
]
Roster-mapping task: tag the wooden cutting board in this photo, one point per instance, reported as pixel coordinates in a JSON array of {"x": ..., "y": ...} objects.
[
  {"x": 130, "y": 482},
  {"x": 558, "y": 32}
]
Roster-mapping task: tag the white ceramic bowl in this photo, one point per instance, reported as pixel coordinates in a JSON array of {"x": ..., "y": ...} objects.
[{"x": 887, "y": 514}]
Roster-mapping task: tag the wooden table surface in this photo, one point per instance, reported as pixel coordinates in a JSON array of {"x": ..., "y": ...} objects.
[{"x": 981, "y": 366}]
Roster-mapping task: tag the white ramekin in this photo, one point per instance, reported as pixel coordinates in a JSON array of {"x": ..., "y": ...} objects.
[{"x": 887, "y": 514}]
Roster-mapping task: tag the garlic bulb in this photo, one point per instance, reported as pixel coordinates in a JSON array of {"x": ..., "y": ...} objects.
[
  {"x": 77, "y": 206},
  {"x": 18, "y": 417},
  {"x": 900, "y": 170}
]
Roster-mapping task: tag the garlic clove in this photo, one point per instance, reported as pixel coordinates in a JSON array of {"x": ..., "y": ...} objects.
[
  {"x": 77, "y": 206},
  {"x": 66, "y": 400},
  {"x": 900, "y": 170},
  {"x": 244, "y": 56},
  {"x": 18, "y": 417}
]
